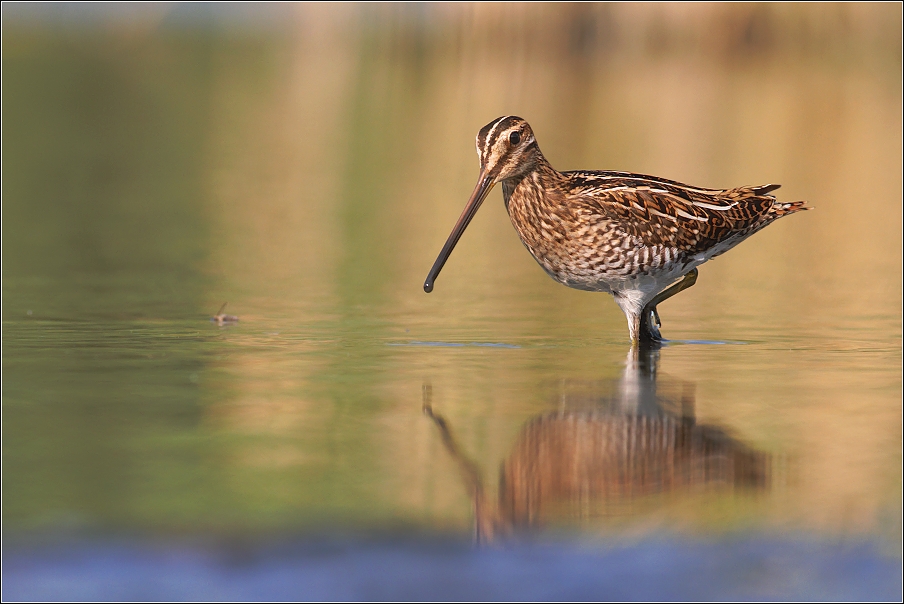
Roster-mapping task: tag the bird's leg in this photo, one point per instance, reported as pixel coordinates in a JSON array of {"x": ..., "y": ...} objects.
[
  {"x": 687, "y": 281},
  {"x": 648, "y": 330},
  {"x": 634, "y": 325},
  {"x": 641, "y": 328},
  {"x": 651, "y": 315}
]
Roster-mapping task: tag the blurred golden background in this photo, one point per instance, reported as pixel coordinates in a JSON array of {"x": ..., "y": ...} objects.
[{"x": 306, "y": 162}]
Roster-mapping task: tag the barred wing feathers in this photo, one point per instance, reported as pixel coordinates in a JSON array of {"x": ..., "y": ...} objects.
[{"x": 672, "y": 214}]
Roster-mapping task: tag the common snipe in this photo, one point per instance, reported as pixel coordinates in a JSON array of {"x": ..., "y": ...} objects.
[{"x": 640, "y": 238}]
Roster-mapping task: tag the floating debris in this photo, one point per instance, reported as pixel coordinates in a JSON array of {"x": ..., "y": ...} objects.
[{"x": 221, "y": 319}]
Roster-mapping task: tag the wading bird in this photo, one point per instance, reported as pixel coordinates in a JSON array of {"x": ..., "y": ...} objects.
[{"x": 639, "y": 238}]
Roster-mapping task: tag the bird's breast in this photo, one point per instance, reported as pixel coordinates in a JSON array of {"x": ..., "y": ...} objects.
[{"x": 584, "y": 250}]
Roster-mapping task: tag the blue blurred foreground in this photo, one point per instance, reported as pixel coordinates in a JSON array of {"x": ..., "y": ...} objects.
[{"x": 744, "y": 569}]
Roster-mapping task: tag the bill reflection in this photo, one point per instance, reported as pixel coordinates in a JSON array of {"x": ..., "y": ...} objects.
[{"x": 608, "y": 450}]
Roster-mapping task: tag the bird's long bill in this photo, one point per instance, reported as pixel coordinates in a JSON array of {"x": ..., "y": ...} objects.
[{"x": 484, "y": 185}]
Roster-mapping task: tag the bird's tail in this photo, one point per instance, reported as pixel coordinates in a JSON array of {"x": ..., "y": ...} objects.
[{"x": 780, "y": 208}]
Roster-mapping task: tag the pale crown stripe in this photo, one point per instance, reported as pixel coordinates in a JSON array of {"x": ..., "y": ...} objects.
[{"x": 493, "y": 129}]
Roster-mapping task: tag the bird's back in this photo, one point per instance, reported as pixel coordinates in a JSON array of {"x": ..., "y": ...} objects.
[
  {"x": 659, "y": 211},
  {"x": 591, "y": 230}
]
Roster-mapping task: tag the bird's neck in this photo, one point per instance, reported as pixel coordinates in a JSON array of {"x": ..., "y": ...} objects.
[
  {"x": 531, "y": 185},
  {"x": 537, "y": 211}
]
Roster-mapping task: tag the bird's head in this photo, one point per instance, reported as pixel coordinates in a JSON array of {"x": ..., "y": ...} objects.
[{"x": 507, "y": 149}]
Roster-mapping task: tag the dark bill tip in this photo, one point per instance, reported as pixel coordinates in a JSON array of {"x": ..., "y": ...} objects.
[{"x": 428, "y": 286}]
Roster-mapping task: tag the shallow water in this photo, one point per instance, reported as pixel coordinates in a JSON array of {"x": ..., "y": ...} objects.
[{"x": 306, "y": 168}]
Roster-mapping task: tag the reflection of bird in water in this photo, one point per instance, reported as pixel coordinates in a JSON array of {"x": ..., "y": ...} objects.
[
  {"x": 607, "y": 447},
  {"x": 637, "y": 237}
]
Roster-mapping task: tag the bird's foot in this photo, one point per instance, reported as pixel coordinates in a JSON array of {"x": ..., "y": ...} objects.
[{"x": 649, "y": 327}]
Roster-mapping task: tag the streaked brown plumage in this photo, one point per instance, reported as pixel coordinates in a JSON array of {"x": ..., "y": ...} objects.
[{"x": 637, "y": 237}]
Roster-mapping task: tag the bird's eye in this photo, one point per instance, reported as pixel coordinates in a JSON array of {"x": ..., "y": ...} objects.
[{"x": 515, "y": 138}]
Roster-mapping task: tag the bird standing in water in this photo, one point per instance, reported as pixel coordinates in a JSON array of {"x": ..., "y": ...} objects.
[{"x": 639, "y": 238}]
